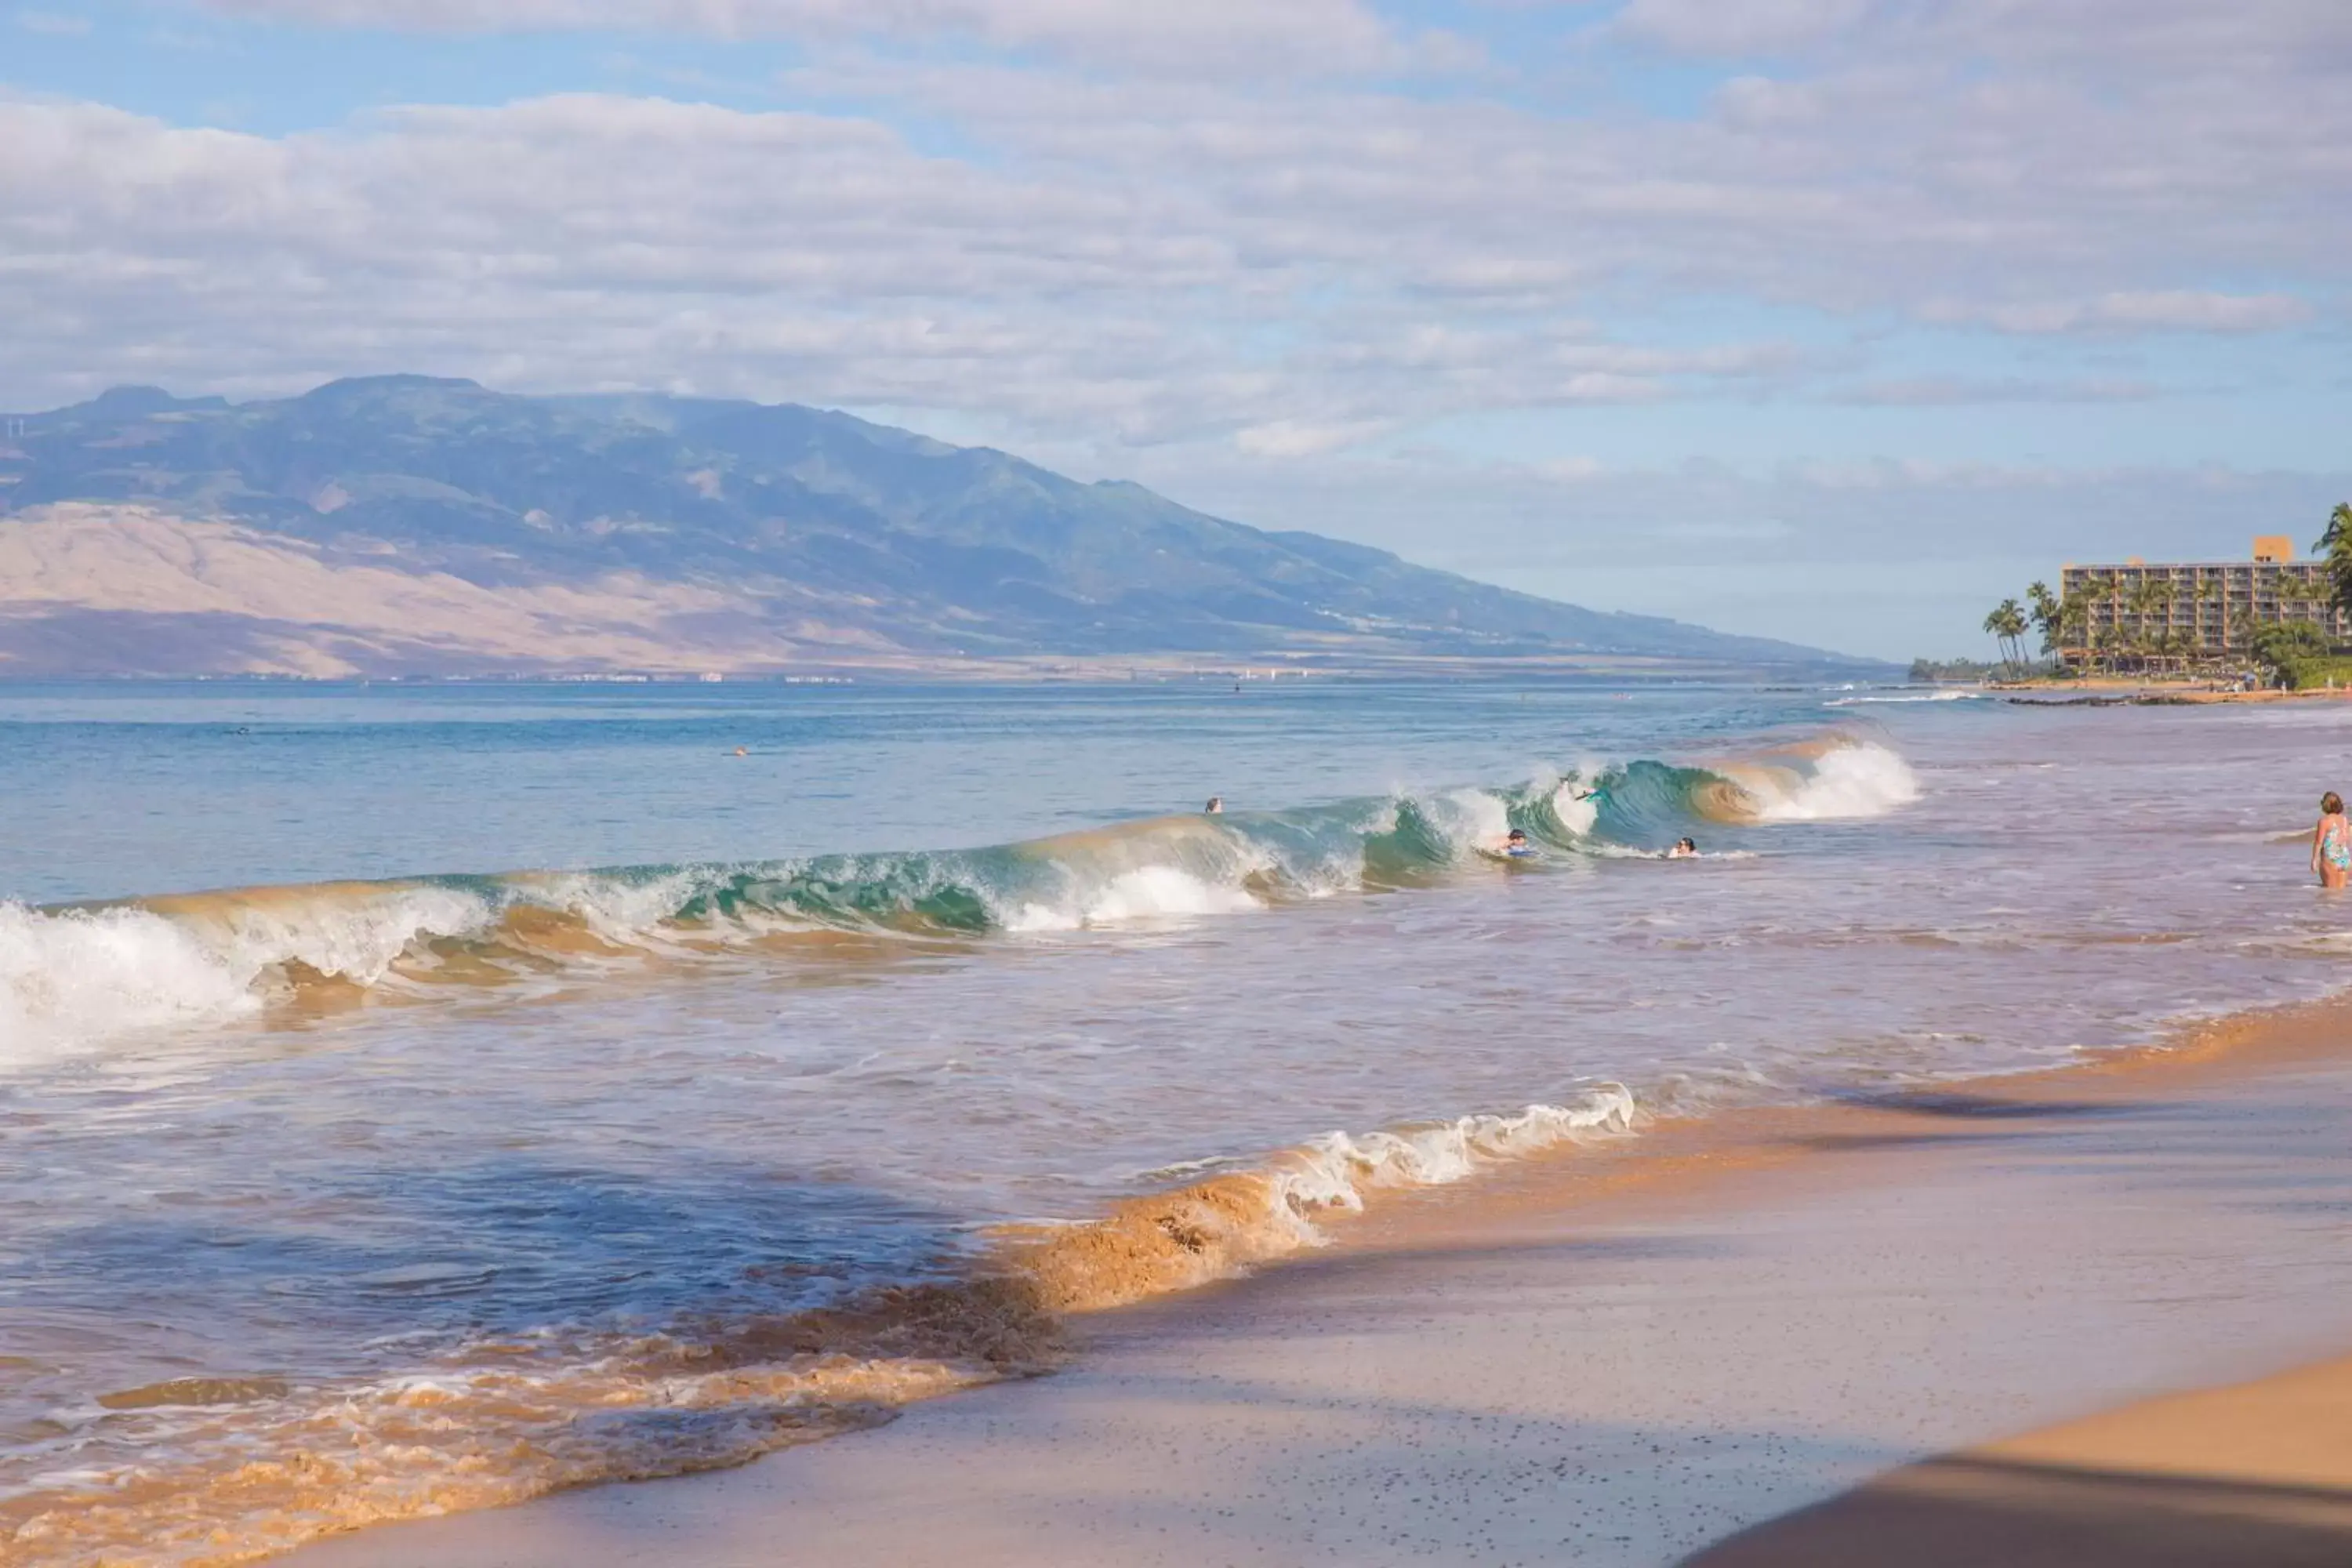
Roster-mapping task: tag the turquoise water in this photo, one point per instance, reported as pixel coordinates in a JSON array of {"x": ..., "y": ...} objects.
[{"x": 556, "y": 1055}]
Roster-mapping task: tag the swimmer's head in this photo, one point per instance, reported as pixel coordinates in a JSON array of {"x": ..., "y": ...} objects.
[
  {"x": 1688, "y": 846},
  {"x": 1216, "y": 806},
  {"x": 1518, "y": 836}
]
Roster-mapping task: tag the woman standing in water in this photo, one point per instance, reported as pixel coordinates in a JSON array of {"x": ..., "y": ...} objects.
[{"x": 2331, "y": 842}]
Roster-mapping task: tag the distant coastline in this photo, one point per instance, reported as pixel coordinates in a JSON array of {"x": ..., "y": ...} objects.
[
  {"x": 1161, "y": 670},
  {"x": 2095, "y": 691}
]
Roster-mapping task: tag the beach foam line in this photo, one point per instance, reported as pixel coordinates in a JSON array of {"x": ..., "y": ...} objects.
[
  {"x": 229, "y": 1470},
  {"x": 1946, "y": 696},
  {"x": 1218, "y": 1227}
]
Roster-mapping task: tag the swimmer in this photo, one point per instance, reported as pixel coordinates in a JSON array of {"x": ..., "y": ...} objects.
[
  {"x": 741, "y": 752},
  {"x": 1517, "y": 846},
  {"x": 1216, "y": 806},
  {"x": 2331, "y": 842},
  {"x": 1683, "y": 849}
]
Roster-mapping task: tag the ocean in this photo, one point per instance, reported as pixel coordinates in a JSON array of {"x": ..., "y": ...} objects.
[{"x": 585, "y": 1082}]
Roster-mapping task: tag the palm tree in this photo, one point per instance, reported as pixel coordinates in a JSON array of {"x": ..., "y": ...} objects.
[
  {"x": 2007, "y": 623},
  {"x": 2209, "y": 597},
  {"x": 2078, "y": 617},
  {"x": 2047, "y": 613},
  {"x": 2117, "y": 598},
  {"x": 2150, "y": 597},
  {"x": 2180, "y": 648},
  {"x": 2093, "y": 632},
  {"x": 2075, "y": 624},
  {"x": 2107, "y": 642},
  {"x": 2337, "y": 546}
]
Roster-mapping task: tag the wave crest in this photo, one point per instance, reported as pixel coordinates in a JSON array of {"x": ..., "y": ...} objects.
[{"x": 73, "y": 974}]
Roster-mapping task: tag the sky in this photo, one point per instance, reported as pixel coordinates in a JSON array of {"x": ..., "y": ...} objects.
[{"x": 1829, "y": 320}]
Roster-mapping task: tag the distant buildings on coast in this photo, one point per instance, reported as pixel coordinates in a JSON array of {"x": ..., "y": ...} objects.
[{"x": 2193, "y": 610}]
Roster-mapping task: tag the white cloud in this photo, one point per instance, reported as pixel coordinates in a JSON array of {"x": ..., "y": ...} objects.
[
  {"x": 1953, "y": 391},
  {"x": 1292, "y": 438},
  {"x": 1339, "y": 35},
  {"x": 2162, "y": 310},
  {"x": 2104, "y": 36},
  {"x": 1737, "y": 26},
  {"x": 585, "y": 238},
  {"x": 1158, "y": 259},
  {"x": 1180, "y": 256},
  {"x": 1266, "y": 284},
  {"x": 2191, "y": 310}
]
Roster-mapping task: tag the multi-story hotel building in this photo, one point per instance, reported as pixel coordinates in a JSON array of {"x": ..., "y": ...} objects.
[{"x": 2200, "y": 609}]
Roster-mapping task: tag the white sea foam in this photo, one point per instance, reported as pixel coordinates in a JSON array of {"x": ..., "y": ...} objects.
[
  {"x": 620, "y": 911},
  {"x": 1577, "y": 806},
  {"x": 76, "y": 973},
  {"x": 1147, "y": 892},
  {"x": 1162, "y": 891},
  {"x": 1336, "y": 1170},
  {"x": 1852, "y": 781},
  {"x": 1954, "y": 696},
  {"x": 355, "y": 934},
  {"x": 1470, "y": 820}
]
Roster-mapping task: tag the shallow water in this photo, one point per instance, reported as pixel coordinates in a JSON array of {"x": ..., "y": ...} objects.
[{"x": 340, "y": 1203}]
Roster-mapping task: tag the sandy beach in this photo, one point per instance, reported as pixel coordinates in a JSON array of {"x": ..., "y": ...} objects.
[
  {"x": 2251, "y": 1473},
  {"x": 1631, "y": 1354}
]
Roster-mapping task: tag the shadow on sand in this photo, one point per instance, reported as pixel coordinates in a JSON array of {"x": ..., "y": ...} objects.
[{"x": 1964, "y": 1511}]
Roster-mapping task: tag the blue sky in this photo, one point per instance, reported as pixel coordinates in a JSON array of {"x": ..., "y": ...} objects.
[{"x": 1833, "y": 320}]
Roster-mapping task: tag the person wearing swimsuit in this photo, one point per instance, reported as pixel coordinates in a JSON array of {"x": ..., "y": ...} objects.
[{"x": 2331, "y": 842}]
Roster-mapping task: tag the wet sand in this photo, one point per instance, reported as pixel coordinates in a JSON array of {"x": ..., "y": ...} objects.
[{"x": 1628, "y": 1355}]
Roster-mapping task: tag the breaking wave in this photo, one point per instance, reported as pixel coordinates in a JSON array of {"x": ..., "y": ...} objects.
[
  {"x": 209, "y": 1471},
  {"x": 1948, "y": 695},
  {"x": 72, "y": 974}
]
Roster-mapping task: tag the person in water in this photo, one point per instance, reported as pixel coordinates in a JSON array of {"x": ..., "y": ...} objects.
[
  {"x": 1515, "y": 845},
  {"x": 1683, "y": 849},
  {"x": 2331, "y": 842},
  {"x": 1216, "y": 806}
]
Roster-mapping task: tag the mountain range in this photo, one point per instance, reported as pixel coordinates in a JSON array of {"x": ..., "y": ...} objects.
[{"x": 412, "y": 525}]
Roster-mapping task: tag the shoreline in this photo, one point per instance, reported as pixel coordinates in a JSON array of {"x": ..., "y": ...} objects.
[
  {"x": 2117, "y": 691},
  {"x": 1416, "y": 1239}
]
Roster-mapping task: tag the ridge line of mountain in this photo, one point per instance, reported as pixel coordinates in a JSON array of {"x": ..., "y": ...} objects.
[{"x": 411, "y": 524}]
